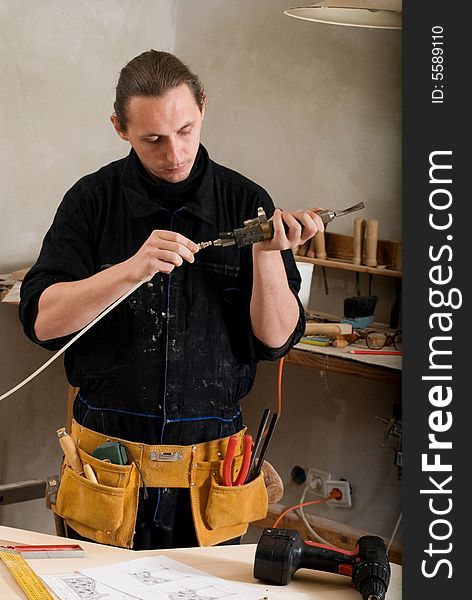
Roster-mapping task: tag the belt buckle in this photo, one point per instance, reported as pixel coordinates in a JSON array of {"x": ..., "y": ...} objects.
[{"x": 165, "y": 456}]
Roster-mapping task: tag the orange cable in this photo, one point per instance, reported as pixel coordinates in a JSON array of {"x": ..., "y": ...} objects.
[
  {"x": 279, "y": 386},
  {"x": 280, "y": 517}
]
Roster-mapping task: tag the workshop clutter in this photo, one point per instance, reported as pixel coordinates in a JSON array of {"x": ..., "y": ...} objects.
[
  {"x": 362, "y": 252},
  {"x": 363, "y": 249},
  {"x": 340, "y": 335},
  {"x": 98, "y": 493}
]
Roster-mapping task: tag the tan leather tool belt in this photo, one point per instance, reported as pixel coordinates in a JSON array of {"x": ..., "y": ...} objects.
[{"x": 106, "y": 511}]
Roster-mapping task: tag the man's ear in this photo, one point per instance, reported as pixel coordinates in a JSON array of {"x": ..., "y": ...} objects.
[{"x": 118, "y": 129}]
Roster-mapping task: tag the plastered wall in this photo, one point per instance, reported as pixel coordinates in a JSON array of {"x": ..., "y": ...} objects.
[
  {"x": 311, "y": 112},
  {"x": 59, "y": 62}
]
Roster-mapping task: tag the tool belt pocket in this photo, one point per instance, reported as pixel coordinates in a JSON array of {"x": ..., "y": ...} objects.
[
  {"x": 228, "y": 506},
  {"x": 105, "y": 511}
]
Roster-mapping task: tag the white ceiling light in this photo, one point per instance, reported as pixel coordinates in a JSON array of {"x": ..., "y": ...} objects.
[{"x": 378, "y": 14}]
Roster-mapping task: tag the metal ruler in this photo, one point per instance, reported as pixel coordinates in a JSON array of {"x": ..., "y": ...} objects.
[{"x": 24, "y": 575}]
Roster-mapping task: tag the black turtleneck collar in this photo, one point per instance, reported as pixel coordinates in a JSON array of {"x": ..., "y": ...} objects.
[
  {"x": 172, "y": 195},
  {"x": 146, "y": 195}
]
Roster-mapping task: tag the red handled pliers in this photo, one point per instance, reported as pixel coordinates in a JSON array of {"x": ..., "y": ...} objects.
[{"x": 229, "y": 458}]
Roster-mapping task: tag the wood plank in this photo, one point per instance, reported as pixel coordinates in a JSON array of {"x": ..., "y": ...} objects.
[
  {"x": 20, "y": 274},
  {"x": 337, "y": 534},
  {"x": 22, "y": 491},
  {"x": 13, "y": 294}
]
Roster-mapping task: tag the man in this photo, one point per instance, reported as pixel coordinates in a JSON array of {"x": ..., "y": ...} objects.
[{"x": 170, "y": 364}]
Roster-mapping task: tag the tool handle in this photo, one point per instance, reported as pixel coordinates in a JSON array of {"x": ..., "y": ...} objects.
[
  {"x": 327, "y": 328},
  {"x": 89, "y": 473},
  {"x": 70, "y": 451},
  {"x": 242, "y": 475},
  {"x": 270, "y": 431},
  {"x": 320, "y": 246},
  {"x": 357, "y": 240},
  {"x": 371, "y": 233},
  {"x": 228, "y": 461},
  {"x": 321, "y": 557},
  {"x": 258, "y": 442}
]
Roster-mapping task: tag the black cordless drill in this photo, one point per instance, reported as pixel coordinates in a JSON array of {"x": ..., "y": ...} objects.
[{"x": 280, "y": 552}]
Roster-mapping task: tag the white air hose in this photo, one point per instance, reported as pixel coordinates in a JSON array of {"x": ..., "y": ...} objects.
[{"x": 70, "y": 342}]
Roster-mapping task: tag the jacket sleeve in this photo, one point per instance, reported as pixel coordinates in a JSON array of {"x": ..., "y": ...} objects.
[{"x": 65, "y": 256}]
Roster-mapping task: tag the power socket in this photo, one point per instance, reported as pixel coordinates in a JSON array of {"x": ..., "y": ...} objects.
[
  {"x": 316, "y": 480},
  {"x": 344, "y": 487}
]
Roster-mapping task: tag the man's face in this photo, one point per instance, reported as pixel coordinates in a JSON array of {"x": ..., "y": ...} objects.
[{"x": 164, "y": 132}]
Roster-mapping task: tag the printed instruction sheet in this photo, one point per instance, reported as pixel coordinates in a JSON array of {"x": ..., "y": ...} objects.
[{"x": 150, "y": 578}]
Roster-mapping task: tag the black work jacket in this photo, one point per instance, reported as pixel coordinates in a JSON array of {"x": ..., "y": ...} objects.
[{"x": 171, "y": 362}]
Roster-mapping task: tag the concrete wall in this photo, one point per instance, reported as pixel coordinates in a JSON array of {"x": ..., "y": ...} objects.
[{"x": 311, "y": 112}]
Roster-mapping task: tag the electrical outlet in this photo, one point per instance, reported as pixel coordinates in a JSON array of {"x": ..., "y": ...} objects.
[
  {"x": 316, "y": 480},
  {"x": 344, "y": 487}
]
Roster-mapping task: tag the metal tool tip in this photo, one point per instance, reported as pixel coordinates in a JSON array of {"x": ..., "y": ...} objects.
[{"x": 203, "y": 245}]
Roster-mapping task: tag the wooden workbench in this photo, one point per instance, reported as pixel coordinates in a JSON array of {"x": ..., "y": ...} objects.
[
  {"x": 384, "y": 369},
  {"x": 229, "y": 562}
]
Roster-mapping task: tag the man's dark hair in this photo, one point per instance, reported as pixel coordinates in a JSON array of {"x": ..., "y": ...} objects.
[{"x": 153, "y": 73}]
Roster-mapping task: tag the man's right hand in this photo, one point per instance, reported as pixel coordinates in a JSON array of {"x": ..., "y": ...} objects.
[
  {"x": 68, "y": 306},
  {"x": 161, "y": 253}
]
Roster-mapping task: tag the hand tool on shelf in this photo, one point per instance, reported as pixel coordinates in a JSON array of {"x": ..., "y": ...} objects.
[
  {"x": 319, "y": 246},
  {"x": 330, "y": 329},
  {"x": 229, "y": 459},
  {"x": 377, "y": 352},
  {"x": 260, "y": 228},
  {"x": 280, "y": 552},
  {"x": 371, "y": 235},
  {"x": 358, "y": 241}
]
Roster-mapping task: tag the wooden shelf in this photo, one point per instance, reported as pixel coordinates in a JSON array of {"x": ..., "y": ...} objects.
[
  {"x": 339, "y": 251},
  {"x": 345, "y": 266}
]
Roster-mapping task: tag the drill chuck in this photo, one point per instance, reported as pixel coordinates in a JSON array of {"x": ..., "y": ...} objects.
[{"x": 280, "y": 552}]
